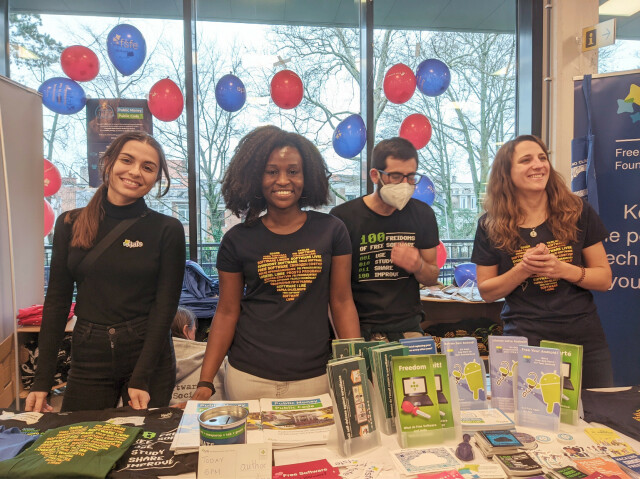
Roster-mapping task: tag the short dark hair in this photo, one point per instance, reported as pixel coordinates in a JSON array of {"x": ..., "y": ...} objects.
[
  {"x": 397, "y": 147},
  {"x": 242, "y": 183}
]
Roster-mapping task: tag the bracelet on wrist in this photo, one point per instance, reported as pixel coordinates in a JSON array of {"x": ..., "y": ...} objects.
[
  {"x": 207, "y": 384},
  {"x": 583, "y": 273}
]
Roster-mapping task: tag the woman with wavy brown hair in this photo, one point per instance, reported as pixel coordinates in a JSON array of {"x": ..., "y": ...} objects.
[{"x": 540, "y": 247}]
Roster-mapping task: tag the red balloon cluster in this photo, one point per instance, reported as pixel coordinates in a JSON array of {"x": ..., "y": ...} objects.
[
  {"x": 417, "y": 129},
  {"x": 52, "y": 183},
  {"x": 286, "y": 89},
  {"x": 49, "y": 217},
  {"x": 165, "y": 100},
  {"x": 399, "y": 83},
  {"x": 52, "y": 178},
  {"x": 441, "y": 254},
  {"x": 79, "y": 63}
]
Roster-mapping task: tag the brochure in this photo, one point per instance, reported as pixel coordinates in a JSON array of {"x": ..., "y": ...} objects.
[
  {"x": 417, "y": 417},
  {"x": 466, "y": 371},
  {"x": 352, "y": 400},
  {"x": 484, "y": 419},
  {"x": 382, "y": 378},
  {"x": 539, "y": 388},
  {"x": 297, "y": 421},
  {"x": 424, "y": 460},
  {"x": 571, "y": 379},
  {"x": 423, "y": 345},
  {"x": 503, "y": 356}
]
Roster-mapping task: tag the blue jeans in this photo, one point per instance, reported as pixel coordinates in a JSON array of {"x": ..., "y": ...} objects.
[
  {"x": 102, "y": 361},
  {"x": 597, "y": 371}
]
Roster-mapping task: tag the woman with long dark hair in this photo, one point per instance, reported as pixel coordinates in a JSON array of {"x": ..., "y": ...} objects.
[
  {"x": 127, "y": 262},
  {"x": 541, "y": 248}
]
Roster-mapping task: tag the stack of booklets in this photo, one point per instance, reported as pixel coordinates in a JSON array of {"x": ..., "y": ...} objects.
[
  {"x": 382, "y": 380},
  {"x": 296, "y": 422},
  {"x": 466, "y": 371},
  {"x": 351, "y": 395},
  {"x": 341, "y": 348},
  {"x": 503, "y": 357},
  {"x": 519, "y": 464},
  {"x": 187, "y": 437},
  {"x": 570, "y": 379},
  {"x": 489, "y": 419},
  {"x": 539, "y": 390},
  {"x": 491, "y": 443},
  {"x": 425, "y": 410}
]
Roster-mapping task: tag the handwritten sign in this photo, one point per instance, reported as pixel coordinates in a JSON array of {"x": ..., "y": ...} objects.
[{"x": 235, "y": 461}]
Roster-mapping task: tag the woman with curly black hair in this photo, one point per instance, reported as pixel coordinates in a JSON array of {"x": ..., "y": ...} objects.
[{"x": 293, "y": 263}]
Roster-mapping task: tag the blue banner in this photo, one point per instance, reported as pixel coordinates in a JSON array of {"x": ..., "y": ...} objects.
[{"x": 615, "y": 107}]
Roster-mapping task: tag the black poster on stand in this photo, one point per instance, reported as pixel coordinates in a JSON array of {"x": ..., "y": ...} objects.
[{"x": 106, "y": 119}]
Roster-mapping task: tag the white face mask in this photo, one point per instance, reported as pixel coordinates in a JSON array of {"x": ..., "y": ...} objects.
[{"x": 396, "y": 195}]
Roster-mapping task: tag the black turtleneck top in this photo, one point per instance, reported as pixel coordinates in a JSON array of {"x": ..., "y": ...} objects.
[{"x": 138, "y": 276}]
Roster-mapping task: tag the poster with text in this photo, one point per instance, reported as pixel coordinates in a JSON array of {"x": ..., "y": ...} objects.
[
  {"x": 106, "y": 119},
  {"x": 615, "y": 103}
]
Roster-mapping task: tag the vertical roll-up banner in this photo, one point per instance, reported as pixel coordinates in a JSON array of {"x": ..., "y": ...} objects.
[{"x": 615, "y": 124}]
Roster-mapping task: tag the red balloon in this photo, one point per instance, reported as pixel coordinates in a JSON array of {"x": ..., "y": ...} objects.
[
  {"x": 441, "y": 254},
  {"x": 399, "y": 83},
  {"x": 79, "y": 63},
  {"x": 417, "y": 129},
  {"x": 165, "y": 100},
  {"x": 49, "y": 217},
  {"x": 52, "y": 178},
  {"x": 286, "y": 89}
]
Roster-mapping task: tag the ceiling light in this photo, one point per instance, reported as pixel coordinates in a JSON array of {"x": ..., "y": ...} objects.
[{"x": 619, "y": 8}]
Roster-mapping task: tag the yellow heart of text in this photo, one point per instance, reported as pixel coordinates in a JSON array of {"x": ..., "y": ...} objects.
[{"x": 290, "y": 276}]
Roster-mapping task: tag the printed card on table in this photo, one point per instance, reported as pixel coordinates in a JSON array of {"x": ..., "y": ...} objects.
[
  {"x": 235, "y": 461},
  {"x": 424, "y": 460}
]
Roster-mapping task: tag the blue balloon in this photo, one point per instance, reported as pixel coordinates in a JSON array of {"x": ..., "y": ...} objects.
[
  {"x": 425, "y": 191},
  {"x": 62, "y": 95},
  {"x": 126, "y": 48},
  {"x": 230, "y": 93},
  {"x": 433, "y": 77},
  {"x": 350, "y": 136},
  {"x": 464, "y": 272}
]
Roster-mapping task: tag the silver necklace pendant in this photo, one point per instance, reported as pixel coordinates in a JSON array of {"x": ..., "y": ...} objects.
[{"x": 533, "y": 233}]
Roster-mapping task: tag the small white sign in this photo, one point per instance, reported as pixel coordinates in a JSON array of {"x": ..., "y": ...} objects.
[
  {"x": 600, "y": 35},
  {"x": 235, "y": 461}
]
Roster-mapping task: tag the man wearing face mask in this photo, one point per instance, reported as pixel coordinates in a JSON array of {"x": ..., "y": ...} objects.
[{"x": 393, "y": 239}]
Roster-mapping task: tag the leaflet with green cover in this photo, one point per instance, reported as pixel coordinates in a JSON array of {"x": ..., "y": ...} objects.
[
  {"x": 417, "y": 412},
  {"x": 383, "y": 374},
  {"x": 570, "y": 379}
]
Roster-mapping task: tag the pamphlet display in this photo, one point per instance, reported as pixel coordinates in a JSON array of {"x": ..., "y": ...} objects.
[
  {"x": 503, "y": 356},
  {"x": 382, "y": 380},
  {"x": 351, "y": 397},
  {"x": 571, "y": 378},
  {"x": 466, "y": 371},
  {"x": 538, "y": 389},
  {"x": 419, "y": 417}
]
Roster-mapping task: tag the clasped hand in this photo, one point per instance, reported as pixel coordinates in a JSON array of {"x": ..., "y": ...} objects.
[
  {"x": 406, "y": 257},
  {"x": 538, "y": 261}
]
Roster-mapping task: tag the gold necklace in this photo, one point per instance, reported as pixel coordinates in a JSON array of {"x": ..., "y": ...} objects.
[{"x": 533, "y": 232}]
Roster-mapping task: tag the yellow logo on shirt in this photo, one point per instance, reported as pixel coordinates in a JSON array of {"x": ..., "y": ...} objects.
[{"x": 132, "y": 244}]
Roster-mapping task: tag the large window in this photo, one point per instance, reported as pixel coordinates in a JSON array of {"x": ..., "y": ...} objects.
[
  {"x": 323, "y": 43},
  {"x": 476, "y": 113},
  {"x": 624, "y": 54}
]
